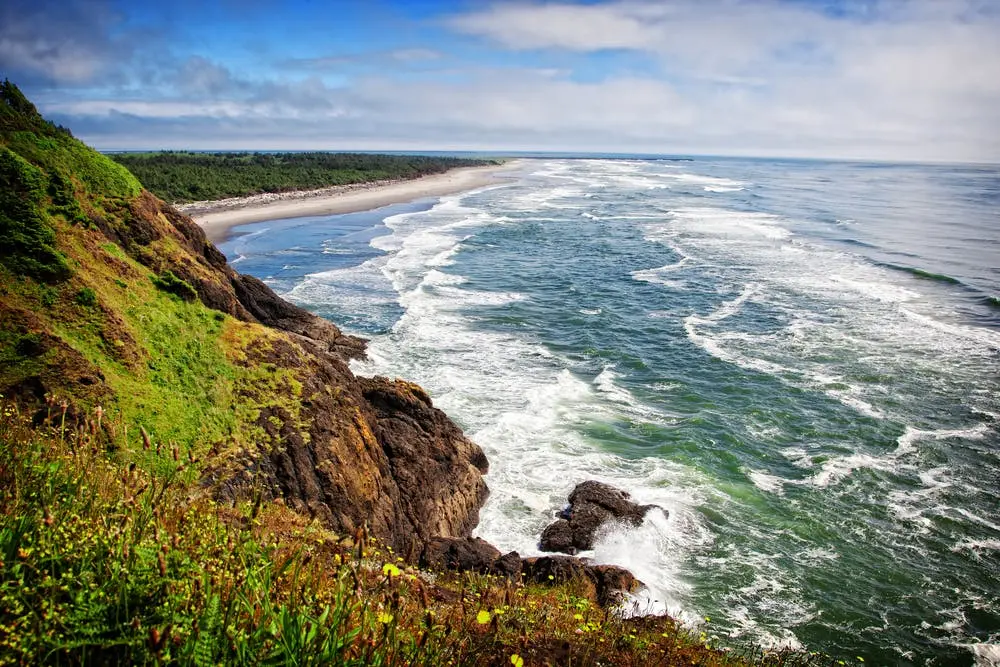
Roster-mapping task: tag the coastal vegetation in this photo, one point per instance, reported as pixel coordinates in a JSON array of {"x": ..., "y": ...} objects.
[
  {"x": 190, "y": 474},
  {"x": 177, "y": 176},
  {"x": 105, "y": 562}
]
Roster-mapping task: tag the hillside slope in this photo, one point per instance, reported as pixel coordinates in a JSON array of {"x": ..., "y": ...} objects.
[{"x": 111, "y": 298}]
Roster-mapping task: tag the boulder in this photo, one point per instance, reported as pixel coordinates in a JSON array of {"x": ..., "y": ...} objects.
[
  {"x": 592, "y": 504},
  {"x": 605, "y": 584},
  {"x": 469, "y": 554},
  {"x": 462, "y": 554}
]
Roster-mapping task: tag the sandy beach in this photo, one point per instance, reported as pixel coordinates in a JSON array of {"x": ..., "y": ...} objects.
[{"x": 217, "y": 218}]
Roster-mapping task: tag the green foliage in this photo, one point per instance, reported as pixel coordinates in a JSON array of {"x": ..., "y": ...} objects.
[
  {"x": 41, "y": 168},
  {"x": 61, "y": 153},
  {"x": 18, "y": 113},
  {"x": 86, "y": 297},
  {"x": 170, "y": 283},
  {"x": 27, "y": 241},
  {"x": 19, "y": 347},
  {"x": 55, "y": 151},
  {"x": 64, "y": 201},
  {"x": 183, "y": 391},
  {"x": 48, "y": 296},
  {"x": 179, "y": 177}
]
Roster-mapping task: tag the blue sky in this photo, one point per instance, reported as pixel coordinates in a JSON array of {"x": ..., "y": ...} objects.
[{"x": 879, "y": 79}]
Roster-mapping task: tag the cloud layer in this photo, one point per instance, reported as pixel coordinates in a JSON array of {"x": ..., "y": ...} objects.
[{"x": 885, "y": 80}]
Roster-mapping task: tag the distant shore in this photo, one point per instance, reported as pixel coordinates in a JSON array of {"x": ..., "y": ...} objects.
[{"x": 218, "y": 217}]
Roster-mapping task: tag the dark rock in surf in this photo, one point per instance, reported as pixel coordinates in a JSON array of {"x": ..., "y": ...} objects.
[{"x": 592, "y": 504}]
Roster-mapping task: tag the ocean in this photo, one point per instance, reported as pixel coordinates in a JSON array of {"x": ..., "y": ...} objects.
[{"x": 799, "y": 361}]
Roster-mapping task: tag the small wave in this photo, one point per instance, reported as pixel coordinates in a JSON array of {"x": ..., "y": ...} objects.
[
  {"x": 766, "y": 482},
  {"x": 840, "y": 467},
  {"x": 860, "y": 244},
  {"x": 876, "y": 289},
  {"x": 991, "y": 302},
  {"x": 975, "y": 546},
  {"x": 923, "y": 273},
  {"x": 984, "y": 337},
  {"x": 720, "y": 188},
  {"x": 607, "y": 385},
  {"x": 986, "y": 655},
  {"x": 590, "y": 311},
  {"x": 728, "y": 224},
  {"x": 653, "y": 275}
]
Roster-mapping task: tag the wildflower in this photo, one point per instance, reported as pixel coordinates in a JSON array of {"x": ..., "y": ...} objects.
[
  {"x": 385, "y": 618},
  {"x": 517, "y": 660},
  {"x": 578, "y": 617},
  {"x": 483, "y": 617},
  {"x": 390, "y": 570}
]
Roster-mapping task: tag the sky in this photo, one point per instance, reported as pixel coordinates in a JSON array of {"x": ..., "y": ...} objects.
[{"x": 857, "y": 79}]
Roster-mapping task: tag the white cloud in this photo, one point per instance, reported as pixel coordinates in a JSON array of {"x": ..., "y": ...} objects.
[
  {"x": 918, "y": 78},
  {"x": 892, "y": 80}
]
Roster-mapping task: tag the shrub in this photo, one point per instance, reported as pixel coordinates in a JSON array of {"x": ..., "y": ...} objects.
[
  {"x": 86, "y": 297},
  {"x": 49, "y": 296},
  {"x": 170, "y": 283},
  {"x": 27, "y": 241}
]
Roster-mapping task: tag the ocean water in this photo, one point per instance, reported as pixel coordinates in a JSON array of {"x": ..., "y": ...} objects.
[{"x": 798, "y": 361}]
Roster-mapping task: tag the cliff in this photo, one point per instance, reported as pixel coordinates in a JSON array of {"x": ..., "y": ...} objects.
[{"x": 110, "y": 297}]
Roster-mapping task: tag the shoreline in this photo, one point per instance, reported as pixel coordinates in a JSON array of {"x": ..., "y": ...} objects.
[{"x": 219, "y": 217}]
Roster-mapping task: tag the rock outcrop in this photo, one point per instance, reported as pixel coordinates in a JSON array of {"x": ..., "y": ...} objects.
[
  {"x": 470, "y": 554},
  {"x": 605, "y": 584},
  {"x": 592, "y": 505}
]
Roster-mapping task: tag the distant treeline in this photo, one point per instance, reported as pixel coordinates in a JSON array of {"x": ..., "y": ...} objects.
[{"x": 182, "y": 177}]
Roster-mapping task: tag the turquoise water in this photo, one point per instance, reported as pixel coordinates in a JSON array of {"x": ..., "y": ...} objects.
[{"x": 797, "y": 360}]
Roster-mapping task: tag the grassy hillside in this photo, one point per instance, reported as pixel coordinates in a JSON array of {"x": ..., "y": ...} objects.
[{"x": 183, "y": 177}]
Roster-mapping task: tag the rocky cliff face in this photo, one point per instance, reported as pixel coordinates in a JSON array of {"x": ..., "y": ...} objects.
[
  {"x": 141, "y": 314},
  {"x": 361, "y": 452}
]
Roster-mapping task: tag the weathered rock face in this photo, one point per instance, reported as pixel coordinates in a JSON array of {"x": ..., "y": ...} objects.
[
  {"x": 469, "y": 554},
  {"x": 361, "y": 452},
  {"x": 606, "y": 584},
  {"x": 591, "y": 505}
]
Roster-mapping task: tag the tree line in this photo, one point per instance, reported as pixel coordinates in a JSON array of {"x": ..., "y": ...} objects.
[{"x": 179, "y": 177}]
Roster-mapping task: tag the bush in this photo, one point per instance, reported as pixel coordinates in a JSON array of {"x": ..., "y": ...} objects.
[
  {"x": 49, "y": 296},
  {"x": 170, "y": 283},
  {"x": 27, "y": 241},
  {"x": 86, "y": 297}
]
